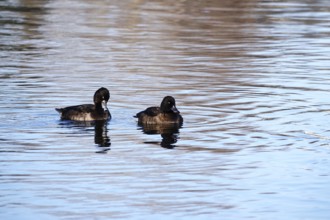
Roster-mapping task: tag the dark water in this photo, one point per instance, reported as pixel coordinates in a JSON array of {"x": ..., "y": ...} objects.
[{"x": 251, "y": 79}]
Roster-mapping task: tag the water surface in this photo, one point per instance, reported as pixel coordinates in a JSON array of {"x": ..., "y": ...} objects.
[{"x": 251, "y": 79}]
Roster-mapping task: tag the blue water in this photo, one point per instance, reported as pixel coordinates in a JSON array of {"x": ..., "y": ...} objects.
[{"x": 251, "y": 79}]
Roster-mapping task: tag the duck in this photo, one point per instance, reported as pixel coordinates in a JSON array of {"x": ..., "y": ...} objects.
[
  {"x": 89, "y": 112},
  {"x": 167, "y": 113}
]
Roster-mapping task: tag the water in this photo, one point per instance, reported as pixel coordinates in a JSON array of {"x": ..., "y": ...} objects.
[{"x": 251, "y": 79}]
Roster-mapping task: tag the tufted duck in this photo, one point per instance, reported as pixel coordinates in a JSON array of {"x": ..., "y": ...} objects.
[
  {"x": 167, "y": 113},
  {"x": 89, "y": 112}
]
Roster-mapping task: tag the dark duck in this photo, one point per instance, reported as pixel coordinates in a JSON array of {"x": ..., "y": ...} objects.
[
  {"x": 89, "y": 112},
  {"x": 167, "y": 113}
]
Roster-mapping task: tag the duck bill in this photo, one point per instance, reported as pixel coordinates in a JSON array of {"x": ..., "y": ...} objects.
[
  {"x": 175, "y": 110},
  {"x": 104, "y": 105}
]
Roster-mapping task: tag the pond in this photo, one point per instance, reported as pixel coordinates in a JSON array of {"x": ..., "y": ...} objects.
[{"x": 250, "y": 78}]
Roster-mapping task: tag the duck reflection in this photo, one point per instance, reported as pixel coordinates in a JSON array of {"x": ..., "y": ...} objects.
[
  {"x": 168, "y": 132},
  {"x": 101, "y": 138}
]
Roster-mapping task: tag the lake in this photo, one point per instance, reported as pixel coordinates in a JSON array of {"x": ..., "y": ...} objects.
[{"x": 250, "y": 78}]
